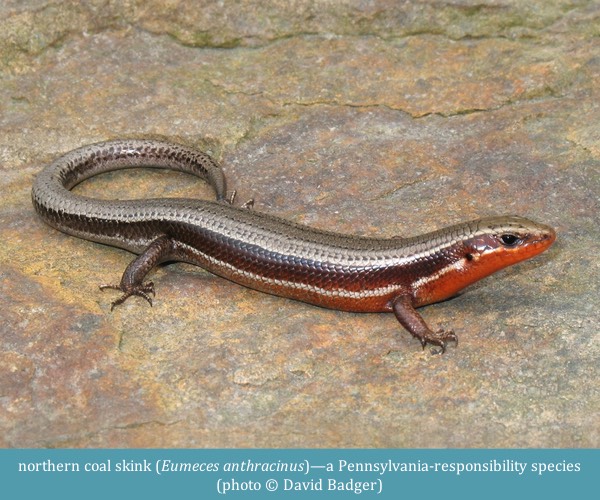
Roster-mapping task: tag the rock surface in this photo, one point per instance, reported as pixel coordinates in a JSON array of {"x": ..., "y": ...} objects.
[{"x": 387, "y": 118}]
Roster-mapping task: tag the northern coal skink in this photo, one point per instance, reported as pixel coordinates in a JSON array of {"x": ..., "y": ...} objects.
[{"x": 271, "y": 254}]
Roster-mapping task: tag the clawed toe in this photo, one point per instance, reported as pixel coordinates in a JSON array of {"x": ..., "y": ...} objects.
[
  {"x": 448, "y": 336},
  {"x": 249, "y": 205},
  {"x": 143, "y": 290},
  {"x": 439, "y": 338}
]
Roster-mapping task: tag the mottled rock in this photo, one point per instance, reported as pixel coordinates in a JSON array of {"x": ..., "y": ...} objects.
[{"x": 387, "y": 118}]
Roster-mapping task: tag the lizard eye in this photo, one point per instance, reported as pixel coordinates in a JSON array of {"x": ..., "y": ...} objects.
[{"x": 509, "y": 240}]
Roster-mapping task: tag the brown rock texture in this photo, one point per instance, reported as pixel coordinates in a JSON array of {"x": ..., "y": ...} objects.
[{"x": 379, "y": 118}]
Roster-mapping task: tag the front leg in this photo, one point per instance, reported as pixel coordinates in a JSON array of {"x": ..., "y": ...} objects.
[
  {"x": 132, "y": 281},
  {"x": 410, "y": 319}
]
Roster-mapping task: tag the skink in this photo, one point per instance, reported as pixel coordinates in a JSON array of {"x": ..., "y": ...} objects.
[{"x": 271, "y": 254}]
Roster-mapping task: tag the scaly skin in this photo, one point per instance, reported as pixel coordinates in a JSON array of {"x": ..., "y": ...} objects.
[{"x": 271, "y": 254}]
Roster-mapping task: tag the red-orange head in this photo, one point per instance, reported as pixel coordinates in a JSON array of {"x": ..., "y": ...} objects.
[{"x": 481, "y": 248}]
